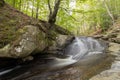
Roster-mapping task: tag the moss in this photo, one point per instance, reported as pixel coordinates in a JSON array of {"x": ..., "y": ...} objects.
[{"x": 8, "y": 34}]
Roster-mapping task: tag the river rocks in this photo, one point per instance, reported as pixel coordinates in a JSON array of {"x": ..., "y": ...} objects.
[
  {"x": 114, "y": 48},
  {"x": 111, "y": 74}
]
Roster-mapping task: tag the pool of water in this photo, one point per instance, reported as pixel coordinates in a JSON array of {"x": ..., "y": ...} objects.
[{"x": 43, "y": 69}]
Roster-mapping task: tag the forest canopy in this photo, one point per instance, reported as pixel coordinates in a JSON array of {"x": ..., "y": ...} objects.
[{"x": 81, "y": 17}]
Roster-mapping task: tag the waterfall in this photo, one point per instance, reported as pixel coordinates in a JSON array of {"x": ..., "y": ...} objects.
[{"x": 82, "y": 46}]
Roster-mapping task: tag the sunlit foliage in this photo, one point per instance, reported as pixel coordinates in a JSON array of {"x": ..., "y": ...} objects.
[{"x": 78, "y": 16}]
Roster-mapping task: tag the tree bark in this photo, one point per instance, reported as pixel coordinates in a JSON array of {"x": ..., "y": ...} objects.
[
  {"x": 52, "y": 15},
  {"x": 50, "y": 9},
  {"x": 32, "y": 12},
  {"x": 37, "y": 10}
]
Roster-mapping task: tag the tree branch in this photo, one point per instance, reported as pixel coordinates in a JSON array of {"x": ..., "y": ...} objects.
[
  {"x": 50, "y": 9},
  {"x": 67, "y": 12}
]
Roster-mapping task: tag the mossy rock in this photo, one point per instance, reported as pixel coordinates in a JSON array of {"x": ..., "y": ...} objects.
[
  {"x": 10, "y": 22},
  {"x": 8, "y": 34}
]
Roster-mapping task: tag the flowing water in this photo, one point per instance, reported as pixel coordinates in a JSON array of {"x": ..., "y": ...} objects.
[{"x": 81, "y": 59}]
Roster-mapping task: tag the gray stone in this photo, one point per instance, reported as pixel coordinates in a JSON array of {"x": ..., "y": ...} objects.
[{"x": 24, "y": 45}]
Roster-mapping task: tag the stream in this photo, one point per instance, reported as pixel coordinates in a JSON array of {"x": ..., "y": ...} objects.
[{"x": 83, "y": 58}]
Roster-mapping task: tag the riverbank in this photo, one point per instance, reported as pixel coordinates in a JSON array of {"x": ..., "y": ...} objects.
[{"x": 113, "y": 38}]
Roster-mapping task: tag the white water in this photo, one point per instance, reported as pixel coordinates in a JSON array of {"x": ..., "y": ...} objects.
[
  {"x": 80, "y": 48},
  {"x": 84, "y": 46},
  {"x": 9, "y": 70},
  {"x": 58, "y": 62}
]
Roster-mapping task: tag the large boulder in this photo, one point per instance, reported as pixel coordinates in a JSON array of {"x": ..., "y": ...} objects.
[
  {"x": 32, "y": 40},
  {"x": 25, "y": 44}
]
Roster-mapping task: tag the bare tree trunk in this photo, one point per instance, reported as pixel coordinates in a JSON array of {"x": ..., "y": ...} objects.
[
  {"x": 108, "y": 10},
  {"x": 37, "y": 10},
  {"x": 53, "y": 14},
  {"x": 32, "y": 12},
  {"x": 52, "y": 17},
  {"x": 50, "y": 9}
]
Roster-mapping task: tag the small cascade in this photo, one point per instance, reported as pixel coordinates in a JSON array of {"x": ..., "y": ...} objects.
[
  {"x": 84, "y": 46},
  {"x": 58, "y": 62},
  {"x": 80, "y": 48}
]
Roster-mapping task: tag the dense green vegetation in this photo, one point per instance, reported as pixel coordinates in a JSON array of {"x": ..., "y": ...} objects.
[{"x": 78, "y": 16}]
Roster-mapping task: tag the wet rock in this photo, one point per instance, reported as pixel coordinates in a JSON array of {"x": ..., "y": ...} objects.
[
  {"x": 111, "y": 74},
  {"x": 114, "y": 47},
  {"x": 114, "y": 72},
  {"x": 29, "y": 58},
  {"x": 118, "y": 36}
]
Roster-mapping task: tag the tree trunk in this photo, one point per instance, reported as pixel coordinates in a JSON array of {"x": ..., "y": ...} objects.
[
  {"x": 52, "y": 15},
  {"x": 32, "y": 12},
  {"x": 37, "y": 10}
]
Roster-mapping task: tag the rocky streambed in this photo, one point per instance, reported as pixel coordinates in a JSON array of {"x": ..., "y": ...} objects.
[{"x": 113, "y": 37}]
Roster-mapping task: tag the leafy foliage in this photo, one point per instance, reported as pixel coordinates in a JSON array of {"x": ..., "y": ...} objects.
[{"x": 78, "y": 16}]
